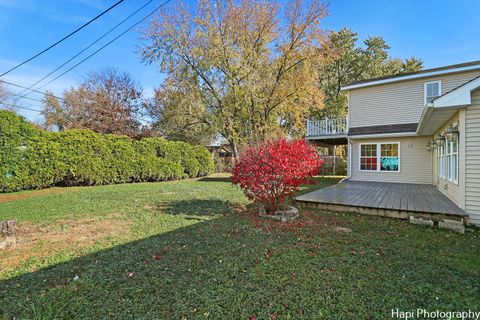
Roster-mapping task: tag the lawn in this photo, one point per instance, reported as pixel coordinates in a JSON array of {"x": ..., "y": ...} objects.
[{"x": 191, "y": 250}]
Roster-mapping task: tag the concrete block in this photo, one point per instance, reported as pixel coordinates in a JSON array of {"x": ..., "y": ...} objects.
[
  {"x": 453, "y": 225},
  {"x": 421, "y": 221}
]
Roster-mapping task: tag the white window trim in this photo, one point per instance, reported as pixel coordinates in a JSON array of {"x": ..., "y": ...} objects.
[
  {"x": 449, "y": 162},
  {"x": 425, "y": 90},
  {"x": 441, "y": 161},
  {"x": 445, "y": 161},
  {"x": 379, "y": 155}
]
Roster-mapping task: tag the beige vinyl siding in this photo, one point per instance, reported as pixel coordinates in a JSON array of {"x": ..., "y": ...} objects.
[
  {"x": 448, "y": 188},
  {"x": 398, "y": 102},
  {"x": 415, "y": 161},
  {"x": 472, "y": 161}
]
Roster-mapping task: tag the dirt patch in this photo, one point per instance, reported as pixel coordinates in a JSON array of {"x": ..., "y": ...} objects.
[
  {"x": 41, "y": 242},
  {"x": 19, "y": 196}
]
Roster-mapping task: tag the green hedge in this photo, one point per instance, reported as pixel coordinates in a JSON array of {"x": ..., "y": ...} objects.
[{"x": 31, "y": 158}]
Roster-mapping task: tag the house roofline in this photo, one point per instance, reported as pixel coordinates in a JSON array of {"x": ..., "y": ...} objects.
[
  {"x": 474, "y": 65},
  {"x": 457, "y": 98},
  {"x": 382, "y": 129}
]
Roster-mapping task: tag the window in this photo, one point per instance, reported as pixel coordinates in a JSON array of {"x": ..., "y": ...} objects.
[
  {"x": 452, "y": 158},
  {"x": 448, "y": 159},
  {"x": 368, "y": 157},
  {"x": 389, "y": 157},
  {"x": 380, "y": 157},
  {"x": 432, "y": 90},
  {"x": 441, "y": 160}
]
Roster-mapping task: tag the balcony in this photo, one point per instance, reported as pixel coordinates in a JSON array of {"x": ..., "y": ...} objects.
[
  {"x": 330, "y": 131},
  {"x": 327, "y": 127}
]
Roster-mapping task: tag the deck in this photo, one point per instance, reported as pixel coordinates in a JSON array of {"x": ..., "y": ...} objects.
[
  {"x": 389, "y": 199},
  {"x": 328, "y": 131}
]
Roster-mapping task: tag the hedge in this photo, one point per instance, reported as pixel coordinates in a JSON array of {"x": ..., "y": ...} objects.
[{"x": 31, "y": 158}]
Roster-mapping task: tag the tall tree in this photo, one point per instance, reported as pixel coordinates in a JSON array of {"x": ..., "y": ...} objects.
[
  {"x": 252, "y": 65},
  {"x": 108, "y": 101},
  {"x": 178, "y": 113},
  {"x": 346, "y": 61}
]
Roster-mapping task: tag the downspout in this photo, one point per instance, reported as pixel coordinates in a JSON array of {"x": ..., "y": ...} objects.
[
  {"x": 349, "y": 167},
  {"x": 349, "y": 152},
  {"x": 349, "y": 173}
]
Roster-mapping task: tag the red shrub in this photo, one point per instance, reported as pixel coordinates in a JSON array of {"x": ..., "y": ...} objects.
[{"x": 274, "y": 171}]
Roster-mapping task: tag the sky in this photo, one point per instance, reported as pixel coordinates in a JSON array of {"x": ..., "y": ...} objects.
[{"x": 440, "y": 32}]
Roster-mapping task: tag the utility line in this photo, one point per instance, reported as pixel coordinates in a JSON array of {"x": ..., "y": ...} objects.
[
  {"x": 107, "y": 44},
  {"x": 22, "y": 97},
  {"x": 61, "y": 40},
  {"x": 35, "y": 90},
  {"x": 86, "y": 48},
  {"x": 19, "y": 107}
]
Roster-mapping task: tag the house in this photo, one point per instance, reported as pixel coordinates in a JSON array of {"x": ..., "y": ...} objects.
[
  {"x": 416, "y": 134},
  {"x": 221, "y": 153}
]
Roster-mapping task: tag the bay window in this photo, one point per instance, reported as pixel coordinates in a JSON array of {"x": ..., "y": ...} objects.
[{"x": 380, "y": 157}]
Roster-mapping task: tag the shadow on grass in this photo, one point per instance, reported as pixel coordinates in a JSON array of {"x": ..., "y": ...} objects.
[
  {"x": 226, "y": 269},
  {"x": 215, "y": 179},
  {"x": 197, "y": 207},
  {"x": 186, "y": 273}
]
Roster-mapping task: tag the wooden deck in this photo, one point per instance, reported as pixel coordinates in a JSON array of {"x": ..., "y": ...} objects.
[{"x": 399, "y": 197}]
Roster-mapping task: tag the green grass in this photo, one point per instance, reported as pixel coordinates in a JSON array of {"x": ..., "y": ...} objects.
[
  {"x": 320, "y": 182},
  {"x": 189, "y": 250}
]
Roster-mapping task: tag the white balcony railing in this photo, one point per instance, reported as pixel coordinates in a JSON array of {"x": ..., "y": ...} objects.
[{"x": 327, "y": 127}]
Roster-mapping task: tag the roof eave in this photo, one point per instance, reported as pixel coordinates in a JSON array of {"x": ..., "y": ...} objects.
[
  {"x": 409, "y": 77},
  {"x": 456, "y": 99}
]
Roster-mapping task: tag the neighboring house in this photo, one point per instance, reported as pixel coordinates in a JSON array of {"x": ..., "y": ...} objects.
[
  {"x": 417, "y": 128},
  {"x": 221, "y": 152}
]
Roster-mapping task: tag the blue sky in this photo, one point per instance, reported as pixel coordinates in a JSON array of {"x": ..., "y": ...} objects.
[{"x": 440, "y": 32}]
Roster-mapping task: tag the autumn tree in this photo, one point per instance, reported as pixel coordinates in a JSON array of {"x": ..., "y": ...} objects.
[
  {"x": 250, "y": 63},
  {"x": 346, "y": 61},
  {"x": 108, "y": 101},
  {"x": 178, "y": 113}
]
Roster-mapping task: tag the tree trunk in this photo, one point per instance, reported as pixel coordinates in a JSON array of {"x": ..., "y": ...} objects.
[{"x": 234, "y": 147}]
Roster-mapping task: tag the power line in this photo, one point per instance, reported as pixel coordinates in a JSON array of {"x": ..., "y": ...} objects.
[
  {"x": 86, "y": 48},
  {"x": 107, "y": 44},
  {"x": 19, "y": 107},
  {"x": 35, "y": 90},
  {"x": 23, "y": 97},
  {"x": 61, "y": 40}
]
